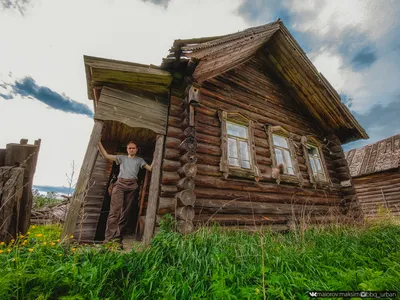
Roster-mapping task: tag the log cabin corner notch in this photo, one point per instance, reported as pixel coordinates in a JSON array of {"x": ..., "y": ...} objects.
[{"x": 255, "y": 77}]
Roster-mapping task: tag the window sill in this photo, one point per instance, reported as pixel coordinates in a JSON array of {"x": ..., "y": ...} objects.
[
  {"x": 242, "y": 173},
  {"x": 287, "y": 178}
]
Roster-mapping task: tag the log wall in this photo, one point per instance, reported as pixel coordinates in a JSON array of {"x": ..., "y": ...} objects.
[
  {"x": 251, "y": 90},
  {"x": 379, "y": 193}
]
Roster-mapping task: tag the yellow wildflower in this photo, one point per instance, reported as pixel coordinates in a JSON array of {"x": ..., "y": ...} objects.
[
  {"x": 21, "y": 236},
  {"x": 39, "y": 235},
  {"x": 1, "y": 251},
  {"x": 8, "y": 250},
  {"x": 58, "y": 240},
  {"x": 52, "y": 243},
  {"x": 12, "y": 241},
  {"x": 71, "y": 237},
  {"x": 2, "y": 243},
  {"x": 44, "y": 243},
  {"x": 59, "y": 254},
  {"x": 33, "y": 226},
  {"x": 28, "y": 233},
  {"x": 30, "y": 249},
  {"x": 73, "y": 249}
]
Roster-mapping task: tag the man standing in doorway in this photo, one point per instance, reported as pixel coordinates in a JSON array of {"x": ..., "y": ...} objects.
[{"x": 124, "y": 190}]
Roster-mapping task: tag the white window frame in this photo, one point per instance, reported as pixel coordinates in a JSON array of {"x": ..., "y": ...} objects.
[
  {"x": 228, "y": 170},
  {"x": 282, "y": 132},
  {"x": 311, "y": 142}
]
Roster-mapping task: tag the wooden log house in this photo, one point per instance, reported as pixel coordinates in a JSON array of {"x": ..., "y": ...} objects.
[
  {"x": 220, "y": 114},
  {"x": 375, "y": 171}
]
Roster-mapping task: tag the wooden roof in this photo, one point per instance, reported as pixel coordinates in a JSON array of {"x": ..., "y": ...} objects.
[
  {"x": 380, "y": 156},
  {"x": 121, "y": 74},
  {"x": 215, "y": 55}
]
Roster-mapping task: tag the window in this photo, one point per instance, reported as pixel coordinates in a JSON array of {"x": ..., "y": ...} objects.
[
  {"x": 315, "y": 161},
  {"x": 283, "y": 153},
  {"x": 237, "y": 145}
]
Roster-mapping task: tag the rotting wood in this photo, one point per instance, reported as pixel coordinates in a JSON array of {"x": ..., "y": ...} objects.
[
  {"x": 82, "y": 183},
  {"x": 154, "y": 191}
]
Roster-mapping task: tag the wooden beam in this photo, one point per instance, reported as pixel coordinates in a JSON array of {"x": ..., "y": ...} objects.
[
  {"x": 83, "y": 180},
  {"x": 154, "y": 191}
]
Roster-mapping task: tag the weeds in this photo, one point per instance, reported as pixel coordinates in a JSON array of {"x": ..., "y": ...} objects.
[{"x": 208, "y": 264}]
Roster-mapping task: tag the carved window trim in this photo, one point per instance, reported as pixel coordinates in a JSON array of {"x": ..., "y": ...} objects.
[
  {"x": 228, "y": 170},
  {"x": 280, "y": 131},
  {"x": 310, "y": 141}
]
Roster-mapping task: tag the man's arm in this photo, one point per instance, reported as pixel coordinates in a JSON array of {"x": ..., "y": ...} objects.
[
  {"x": 105, "y": 154},
  {"x": 147, "y": 167}
]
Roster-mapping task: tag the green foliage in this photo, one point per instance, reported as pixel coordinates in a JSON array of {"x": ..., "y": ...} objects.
[
  {"x": 208, "y": 264},
  {"x": 43, "y": 200}
]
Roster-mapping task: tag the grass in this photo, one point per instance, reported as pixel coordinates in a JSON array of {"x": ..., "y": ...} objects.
[{"x": 208, "y": 264}]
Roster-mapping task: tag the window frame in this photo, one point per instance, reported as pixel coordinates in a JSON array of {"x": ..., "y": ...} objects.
[
  {"x": 282, "y": 132},
  {"x": 227, "y": 170},
  {"x": 310, "y": 141}
]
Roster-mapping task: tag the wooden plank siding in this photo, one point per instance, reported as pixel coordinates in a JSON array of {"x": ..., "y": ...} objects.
[
  {"x": 133, "y": 110},
  {"x": 86, "y": 224},
  {"x": 379, "y": 190}
]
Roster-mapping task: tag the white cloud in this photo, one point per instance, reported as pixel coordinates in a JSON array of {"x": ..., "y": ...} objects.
[{"x": 48, "y": 44}]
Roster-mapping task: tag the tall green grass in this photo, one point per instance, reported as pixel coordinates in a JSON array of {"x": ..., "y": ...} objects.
[{"x": 209, "y": 264}]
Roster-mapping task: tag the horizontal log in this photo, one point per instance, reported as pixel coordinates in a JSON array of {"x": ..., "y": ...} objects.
[
  {"x": 176, "y": 101},
  {"x": 262, "y": 160},
  {"x": 170, "y": 165},
  {"x": 185, "y": 183},
  {"x": 174, "y": 132},
  {"x": 208, "y": 159},
  {"x": 209, "y": 130},
  {"x": 174, "y": 121},
  {"x": 188, "y": 170},
  {"x": 256, "y": 229},
  {"x": 169, "y": 178},
  {"x": 270, "y": 197},
  {"x": 209, "y": 149},
  {"x": 208, "y": 139},
  {"x": 252, "y": 186},
  {"x": 175, "y": 111},
  {"x": 185, "y": 198},
  {"x": 172, "y": 143},
  {"x": 172, "y": 154},
  {"x": 245, "y": 207},
  {"x": 168, "y": 190},
  {"x": 239, "y": 219},
  {"x": 208, "y": 170}
]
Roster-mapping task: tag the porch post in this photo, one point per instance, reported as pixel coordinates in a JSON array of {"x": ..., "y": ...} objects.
[
  {"x": 82, "y": 183},
  {"x": 154, "y": 191}
]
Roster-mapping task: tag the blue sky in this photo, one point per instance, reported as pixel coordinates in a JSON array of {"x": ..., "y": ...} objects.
[{"x": 354, "y": 43}]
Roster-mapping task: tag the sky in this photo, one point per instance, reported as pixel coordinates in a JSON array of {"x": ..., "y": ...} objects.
[{"x": 355, "y": 44}]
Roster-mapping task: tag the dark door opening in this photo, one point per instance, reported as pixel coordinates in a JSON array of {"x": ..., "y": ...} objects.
[{"x": 146, "y": 148}]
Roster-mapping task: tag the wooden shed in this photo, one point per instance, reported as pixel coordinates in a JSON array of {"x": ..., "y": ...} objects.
[
  {"x": 220, "y": 114},
  {"x": 376, "y": 176}
]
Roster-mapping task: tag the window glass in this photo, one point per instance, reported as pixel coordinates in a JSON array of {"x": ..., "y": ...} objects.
[
  {"x": 236, "y": 130},
  {"x": 244, "y": 155},
  {"x": 280, "y": 141},
  {"x": 315, "y": 162},
  {"x": 232, "y": 148}
]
